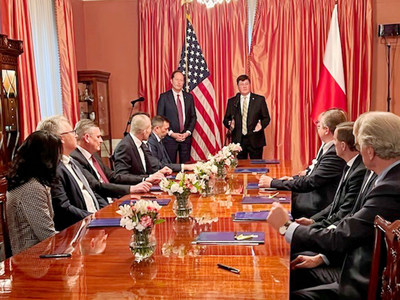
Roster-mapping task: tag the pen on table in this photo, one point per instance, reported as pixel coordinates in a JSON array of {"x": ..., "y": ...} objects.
[
  {"x": 230, "y": 269},
  {"x": 272, "y": 196}
]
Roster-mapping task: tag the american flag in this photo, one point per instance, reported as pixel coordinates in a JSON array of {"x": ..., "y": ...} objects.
[{"x": 206, "y": 136}]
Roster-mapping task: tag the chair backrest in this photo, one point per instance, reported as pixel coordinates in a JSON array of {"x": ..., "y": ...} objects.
[{"x": 391, "y": 272}]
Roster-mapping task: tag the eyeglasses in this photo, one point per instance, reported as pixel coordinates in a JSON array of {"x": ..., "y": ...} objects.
[{"x": 71, "y": 131}]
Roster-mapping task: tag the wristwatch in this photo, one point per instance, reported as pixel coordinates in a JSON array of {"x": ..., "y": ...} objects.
[{"x": 282, "y": 230}]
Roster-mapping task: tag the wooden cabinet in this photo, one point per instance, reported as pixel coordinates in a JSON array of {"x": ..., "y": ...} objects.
[
  {"x": 94, "y": 104},
  {"x": 9, "y": 125}
]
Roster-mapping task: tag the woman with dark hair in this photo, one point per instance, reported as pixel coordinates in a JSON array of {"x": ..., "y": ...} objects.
[{"x": 29, "y": 208}]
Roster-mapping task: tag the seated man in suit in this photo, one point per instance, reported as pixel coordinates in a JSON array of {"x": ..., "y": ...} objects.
[
  {"x": 316, "y": 190},
  {"x": 246, "y": 117},
  {"x": 178, "y": 107},
  {"x": 72, "y": 197},
  {"x": 342, "y": 204},
  {"x": 160, "y": 128},
  {"x": 132, "y": 155},
  {"x": 101, "y": 179},
  {"x": 378, "y": 138}
]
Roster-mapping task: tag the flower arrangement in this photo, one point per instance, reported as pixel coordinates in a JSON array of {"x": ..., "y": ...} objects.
[
  {"x": 205, "y": 172},
  {"x": 141, "y": 218},
  {"x": 226, "y": 158},
  {"x": 181, "y": 188}
]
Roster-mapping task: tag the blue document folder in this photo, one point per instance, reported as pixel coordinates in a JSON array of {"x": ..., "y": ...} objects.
[
  {"x": 228, "y": 238},
  {"x": 251, "y": 215},
  {"x": 107, "y": 222},
  {"x": 251, "y": 170},
  {"x": 252, "y": 186},
  {"x": 264, "y": 200},
  {"x": 264, "y": 161},
  {"x": 161, "y": 202},
  {"x": 155, "y": 188}
]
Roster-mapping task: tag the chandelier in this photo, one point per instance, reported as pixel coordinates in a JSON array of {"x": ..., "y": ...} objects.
[{"x": 207, "y": 3}]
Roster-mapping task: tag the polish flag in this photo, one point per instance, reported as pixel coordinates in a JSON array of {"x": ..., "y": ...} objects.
[{"x": 331, "y": 91}]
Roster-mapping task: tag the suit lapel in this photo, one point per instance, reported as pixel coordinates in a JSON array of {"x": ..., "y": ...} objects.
[
  {"x": 172, "y": 104},
  {"x": 250, "y": 110},
  {"x": 136, "y": 153}
]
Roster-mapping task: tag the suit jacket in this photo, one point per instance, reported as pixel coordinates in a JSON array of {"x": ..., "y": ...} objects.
[
  {"x": 158, "y": 152},
  {"x": 316, "y": 190},
  {"x": 167, "y": 107},
  {"x": 104, "y": 189},
  {"x": 127, "y": 159},
  {"x": 68, "y": 202},
  {"x": 354, "y": 235},
  {"x": 257, "y": 111},
  {"x": 29, "y": 215},
  {"x": 345, "y": 196}
]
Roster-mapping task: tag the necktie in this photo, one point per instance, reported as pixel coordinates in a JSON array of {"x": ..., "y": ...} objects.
[
  {"x": 338, "y": 190},
  {"x": 180, "y": 112},
  {"x": 146, "y": 153},
  {"x": 99, "y": 170},
  {"x": 244, "y": 116},
  {"x": 85, "y": 183}
]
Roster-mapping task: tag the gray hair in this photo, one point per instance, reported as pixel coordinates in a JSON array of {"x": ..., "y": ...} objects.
[
  {"x": 139, "y": 123},
  {"x": 53, "y": 124},
  {"x": 381, "y": 131},
  {"x": 83, "y": 127}
]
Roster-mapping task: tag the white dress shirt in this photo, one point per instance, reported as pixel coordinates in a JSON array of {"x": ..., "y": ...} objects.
[
  {"x": 138, "y": 143},
  {"x": 90, "y": 206}
]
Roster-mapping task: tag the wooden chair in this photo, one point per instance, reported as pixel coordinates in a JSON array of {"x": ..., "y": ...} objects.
[{"x": 391, "y": 272}]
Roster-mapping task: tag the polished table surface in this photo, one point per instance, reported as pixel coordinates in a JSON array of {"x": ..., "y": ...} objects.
[{"x": 102, "y": 265}]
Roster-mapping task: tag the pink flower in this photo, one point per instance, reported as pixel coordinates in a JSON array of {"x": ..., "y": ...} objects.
[{"x": 146, "y": 221}]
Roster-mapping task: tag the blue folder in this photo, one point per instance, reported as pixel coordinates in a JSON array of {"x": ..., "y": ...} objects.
[
  {"x": 251, "y": 215},
  {"x": 252, "y": 186},
  {"x": 106, "y": 222},
  {"x": 155, "y": 188},
  {"x": 228, "y": 238},
  {"x": 251, "y": 170},
  {"x": 264, "y": 200},
  {"x": 161, "y": 202},
  {"x": 264, "y": 161}
]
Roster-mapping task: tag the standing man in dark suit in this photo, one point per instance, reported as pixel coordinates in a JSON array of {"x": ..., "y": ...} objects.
[
  {"x": 160, "y": 128},
  {"x": 378, "y": 139},
  {"x": 101, "y": 179},
  {"x": 132, "y": 155},
  {"x": 72, "y": 197},
  {"x": 178, "y": 107},
  {"x": 246, "y": 117},
  {"x": 315, "y": 191}
]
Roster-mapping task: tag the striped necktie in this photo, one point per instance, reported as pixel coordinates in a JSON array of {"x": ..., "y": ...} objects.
[{"x": 244, "y": 116}]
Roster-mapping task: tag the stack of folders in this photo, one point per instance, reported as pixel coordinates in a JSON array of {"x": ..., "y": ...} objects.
[
  {"x": 230, "y": 238},
  {"x": 246, "y": 216},
  {"x": 106, "y": 222}
]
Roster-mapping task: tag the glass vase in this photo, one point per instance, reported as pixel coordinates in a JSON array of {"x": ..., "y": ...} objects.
[
  {"x": 234, "y": 164},
  {"x": 182, "y": 206},
  {"x": 209, "y": 187},
  {"x": 221, "y": 174},
  {"x": 143, "y": 244}
]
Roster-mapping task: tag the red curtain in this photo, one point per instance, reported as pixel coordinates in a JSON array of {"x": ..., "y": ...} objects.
[
  {"x": 221, "y": 32},
  {"x": 15, "y": 22},
  {"x": 68, "y": 70},
  {"x": 288, "y": 43},
  {"x": 289, "y": 39}
]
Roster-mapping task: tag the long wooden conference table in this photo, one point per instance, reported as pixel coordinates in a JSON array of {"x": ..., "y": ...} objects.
[{"x": 102, "y": 266}]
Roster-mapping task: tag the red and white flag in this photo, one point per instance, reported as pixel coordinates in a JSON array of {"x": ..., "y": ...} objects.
[
  {"x": 331, "y": 91},
  {"x": 206, "y": 135}
]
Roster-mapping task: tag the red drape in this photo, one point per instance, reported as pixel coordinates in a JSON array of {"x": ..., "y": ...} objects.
[
  {"x": 15, "y": 22},
  {"x": 68, "y": 70},
  {"x": 289, "y": 38},
  {"x": 221, "y": 32}
]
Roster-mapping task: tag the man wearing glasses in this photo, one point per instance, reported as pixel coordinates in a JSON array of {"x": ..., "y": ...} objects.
[{"x": 72, "y": 197}]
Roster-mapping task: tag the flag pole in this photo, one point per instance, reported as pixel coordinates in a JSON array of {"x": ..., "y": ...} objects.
[{"x": 186, "y": 2}]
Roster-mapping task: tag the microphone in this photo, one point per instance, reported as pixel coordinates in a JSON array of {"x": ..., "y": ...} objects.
[{"x": 141, "y": 99}]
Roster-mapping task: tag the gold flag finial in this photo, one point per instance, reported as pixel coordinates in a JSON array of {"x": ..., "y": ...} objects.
[{"x": 183, "y": 2}]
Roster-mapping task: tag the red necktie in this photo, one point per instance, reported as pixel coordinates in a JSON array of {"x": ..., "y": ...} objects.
[
  {"x": 99, "y": 170},
  {"x": 180, "y": 112}
]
